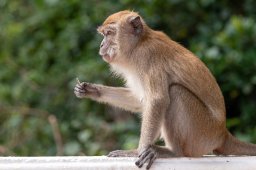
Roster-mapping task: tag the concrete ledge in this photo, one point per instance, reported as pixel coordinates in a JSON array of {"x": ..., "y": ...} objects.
[{"x": 103, "y": 162}]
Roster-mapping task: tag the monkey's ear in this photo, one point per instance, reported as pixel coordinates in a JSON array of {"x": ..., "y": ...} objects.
[{"x": 136, "y": 24}]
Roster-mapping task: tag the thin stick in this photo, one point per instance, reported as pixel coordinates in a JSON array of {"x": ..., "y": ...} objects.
[
  {"x": 77, "y": 80},
  {"x": 56, "y": 134}
]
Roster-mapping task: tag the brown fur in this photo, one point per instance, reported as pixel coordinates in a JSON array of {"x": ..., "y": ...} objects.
[{"x": 176, "y": 93}]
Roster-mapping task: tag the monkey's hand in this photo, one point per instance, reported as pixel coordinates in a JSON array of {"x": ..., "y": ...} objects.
[
  {"x": 150, "y": 153},
  {"x": 85, "y": 89}
]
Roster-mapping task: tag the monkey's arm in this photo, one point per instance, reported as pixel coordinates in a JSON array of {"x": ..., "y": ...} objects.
[
  {"x": 116, "y": 96},
  {"x": 156, "y": 103}
]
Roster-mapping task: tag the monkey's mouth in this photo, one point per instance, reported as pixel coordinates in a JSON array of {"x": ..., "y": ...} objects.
[{"x": 107, "y": 58}]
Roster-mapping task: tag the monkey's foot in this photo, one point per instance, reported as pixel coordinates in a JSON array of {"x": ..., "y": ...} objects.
[{"x": 123, "y": 153}]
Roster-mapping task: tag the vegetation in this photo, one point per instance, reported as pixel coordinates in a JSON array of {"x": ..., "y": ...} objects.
[{"x": 46, "y": 44}]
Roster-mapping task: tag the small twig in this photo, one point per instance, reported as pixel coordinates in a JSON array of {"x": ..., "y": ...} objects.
[
  {"x": 77, "y": 80},
  {"x": 56, "y": 133}
]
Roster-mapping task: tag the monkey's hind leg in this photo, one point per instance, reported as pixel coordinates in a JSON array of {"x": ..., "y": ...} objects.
[
  {"x": 152, "y": 152},
  {"x": 123, "y": 153}
]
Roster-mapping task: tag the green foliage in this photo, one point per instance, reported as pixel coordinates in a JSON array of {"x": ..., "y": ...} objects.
[{"x": 46, "y": 44}]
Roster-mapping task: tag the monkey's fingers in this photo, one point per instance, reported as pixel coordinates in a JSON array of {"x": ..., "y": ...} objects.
[
  {"x": 80, "y": 94},
  {"x": 79, "y": 89},
  {"x": 81, "y": 86},
  {"x": 152, "y": 159},
  {"x": 149, "y": 154},
  {"x": 144, "y": 152}
]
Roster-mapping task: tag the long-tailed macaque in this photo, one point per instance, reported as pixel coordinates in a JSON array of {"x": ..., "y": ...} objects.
[{"x": 178, "y": 97}]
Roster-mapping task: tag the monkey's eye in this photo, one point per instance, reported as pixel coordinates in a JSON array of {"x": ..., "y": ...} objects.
[{"x": 108, "y": 33}]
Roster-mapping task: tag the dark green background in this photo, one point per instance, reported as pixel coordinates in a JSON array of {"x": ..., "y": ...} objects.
[{"x": 46, "y": 44}]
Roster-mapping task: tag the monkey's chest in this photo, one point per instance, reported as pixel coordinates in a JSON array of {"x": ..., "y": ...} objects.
[
  {"x": 132, "y": 81},
  {"x": 135, "y": 85}
]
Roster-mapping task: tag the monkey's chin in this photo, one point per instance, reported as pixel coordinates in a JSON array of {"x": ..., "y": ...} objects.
[{"x": 107, "y": 58}]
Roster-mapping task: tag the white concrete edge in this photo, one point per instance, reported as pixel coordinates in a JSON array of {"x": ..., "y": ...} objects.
[{"x": 105, "y": 163}]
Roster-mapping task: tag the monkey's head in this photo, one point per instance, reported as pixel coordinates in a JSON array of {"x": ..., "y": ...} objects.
[{"x": 122, "y": 31}]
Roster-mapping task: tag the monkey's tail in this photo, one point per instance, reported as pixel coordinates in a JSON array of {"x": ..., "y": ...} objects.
[{"x": 233, "y": 146}]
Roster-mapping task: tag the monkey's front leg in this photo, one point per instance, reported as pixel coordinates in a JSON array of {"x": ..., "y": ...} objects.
[{"x": 152, "y": 119}]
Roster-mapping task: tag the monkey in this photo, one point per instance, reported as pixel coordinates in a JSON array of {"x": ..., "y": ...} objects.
[{"x": 176, "y": 95}]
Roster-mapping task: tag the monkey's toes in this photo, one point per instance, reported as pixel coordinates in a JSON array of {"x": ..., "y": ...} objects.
[
  {"x": 113, "y": 154},
  {"x": 123, "y": 153}
]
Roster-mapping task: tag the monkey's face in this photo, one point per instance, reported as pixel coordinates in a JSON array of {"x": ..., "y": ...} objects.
[
  {"x": 108, "y": 46},
  {"x": 121, "y": 32}
]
